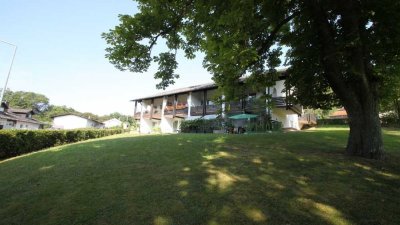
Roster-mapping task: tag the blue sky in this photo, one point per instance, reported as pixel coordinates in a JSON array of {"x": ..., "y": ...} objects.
[{"x": 61, "y": 55}]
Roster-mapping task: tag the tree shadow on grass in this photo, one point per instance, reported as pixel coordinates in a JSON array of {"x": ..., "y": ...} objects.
[{"x": 200, "y": 179}]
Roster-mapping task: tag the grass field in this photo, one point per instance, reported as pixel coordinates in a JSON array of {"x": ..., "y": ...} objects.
[{"x": 279, "y": 178}]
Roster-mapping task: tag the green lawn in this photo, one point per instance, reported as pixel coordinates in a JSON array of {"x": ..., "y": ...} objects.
[{"x": 279, "y": 178}]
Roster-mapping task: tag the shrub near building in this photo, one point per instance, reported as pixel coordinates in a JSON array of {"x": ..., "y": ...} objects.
[{"x": 18, "y": 142}]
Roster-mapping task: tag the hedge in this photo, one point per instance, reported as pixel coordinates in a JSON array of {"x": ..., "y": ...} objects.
[
  {"x": 339, "y": 121},
  {"x": 208, "y": 126},
  {"x": 200, "y": 126},
  {"x": 18, "y": 142}
]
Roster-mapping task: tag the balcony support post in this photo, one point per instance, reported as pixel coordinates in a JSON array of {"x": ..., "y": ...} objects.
[
  {"x": 204, "y": 102},
  {"x": 175, "y": 103},
  {"x": 151, "y": 108},
  {"x": 134, "y": 111},
  {"x": 189, "y": 102},
  {"x": 164, "y": 105}
]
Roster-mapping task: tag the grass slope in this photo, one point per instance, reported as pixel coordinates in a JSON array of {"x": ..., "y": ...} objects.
[{"x": 283, "y": 178}]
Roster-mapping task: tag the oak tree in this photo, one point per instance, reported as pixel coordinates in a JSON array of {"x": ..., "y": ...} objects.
[{"x": 340, "y": 52}]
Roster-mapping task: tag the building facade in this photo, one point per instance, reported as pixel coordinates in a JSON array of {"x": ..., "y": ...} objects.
[
  {"x": 20, "y": 119},
  {"x": 71, "y": 121},
  {"x": 115, "y": 123},
  {"x": 165, "y": 111}
]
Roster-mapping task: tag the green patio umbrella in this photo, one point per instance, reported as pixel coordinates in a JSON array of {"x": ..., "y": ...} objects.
[{"x": 242, "y": 116}]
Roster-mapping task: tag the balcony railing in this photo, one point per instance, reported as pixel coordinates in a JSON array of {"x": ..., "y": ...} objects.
[
  {"x": 181, "y": 110},
  {"x": 137, "y": 116},
  {"x": 146, "y": 114},
  {"x": 168, "y": 110},
  {"x": 156, "y": 114},
  {"x": 234, "y": 107},
  {"x": 213, "y": 109},
  {"x": 309, "y": 119},
  {"x": 196, "y": 110}
]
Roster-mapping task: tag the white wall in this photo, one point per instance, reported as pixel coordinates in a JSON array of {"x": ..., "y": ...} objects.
[
  {"x": 166, "y": 125},
  {"x": 112, "y": 123},
  {"x": 19, "y": 125},
  {"x": 7, "y": 124},
  {"x": 73, "y": 122},
  {"x": 26, "y": 126},
  {"x": 288, "y": 118},
  {"x": 279, "y": 86},
  {"x": 145, "y": 126}
]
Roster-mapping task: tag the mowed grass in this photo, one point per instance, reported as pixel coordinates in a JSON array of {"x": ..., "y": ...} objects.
[{"x": 279, "y": 178}]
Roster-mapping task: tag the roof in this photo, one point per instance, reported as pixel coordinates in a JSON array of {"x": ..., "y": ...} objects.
[
  {"x": 13, "y": 117},
  {"x": 112, "y": 119},
  {"x": 339, "y": 113},
  {"x": 198, "y": 87},
  {"x": 14, "y": 110},
  {"x": 179, "y": 90},
  {"x": 73, "y": 114}
]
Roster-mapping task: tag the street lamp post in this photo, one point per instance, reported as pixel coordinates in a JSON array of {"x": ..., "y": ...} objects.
[{"x": 9, "y": 70}]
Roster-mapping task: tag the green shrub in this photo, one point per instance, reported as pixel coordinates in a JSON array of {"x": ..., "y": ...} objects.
[
  {"x": 390, "y": 120},
  {"x": 17, "y": 142},
  {"x": 200, "y": 126},
  {"x": 339, "y": 121}
]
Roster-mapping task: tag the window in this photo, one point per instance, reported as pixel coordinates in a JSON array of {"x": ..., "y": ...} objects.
[
  {"x": 1, "y": 127},
  {"x": 20, "y": 126}
]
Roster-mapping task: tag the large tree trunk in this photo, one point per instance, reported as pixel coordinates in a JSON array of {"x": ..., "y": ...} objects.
[
  {"x": 365, "y": 137},
  {"x": 359, "y": 90}
]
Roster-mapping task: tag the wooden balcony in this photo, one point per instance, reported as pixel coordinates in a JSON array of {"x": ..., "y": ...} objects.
[
  {"x": 137, "y": 116},
  {"x": 213, "y": 109},
  {"x": 156, "y": 114},
  {"x": 279, "y": 102},
  {"x": 181, "y": 110},
  {"x": 196, "y": 110},
  {"x": 308, "y": 119},
  {"x": 146, "y": 114},
  {"x": 234, "y": 107},
  {"x": 255, "y": 107}
]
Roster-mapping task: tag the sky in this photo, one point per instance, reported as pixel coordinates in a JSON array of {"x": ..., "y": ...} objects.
[{"x": 61, "y": 55}]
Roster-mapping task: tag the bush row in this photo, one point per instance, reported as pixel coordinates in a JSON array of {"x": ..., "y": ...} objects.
[
  {"x": 208, "y": 126},
  {"x": 390, "y": 119},
  {"x": 200, "y": 126},
  {"x": 17, "y": 142},
  {"x": 341, "y": 121}
]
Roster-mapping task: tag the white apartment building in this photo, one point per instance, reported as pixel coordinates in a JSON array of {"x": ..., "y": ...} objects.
[{"x": 165, "y": 111}]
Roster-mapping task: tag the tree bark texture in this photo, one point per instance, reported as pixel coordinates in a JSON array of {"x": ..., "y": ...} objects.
[{"x": 359, "y": 94}]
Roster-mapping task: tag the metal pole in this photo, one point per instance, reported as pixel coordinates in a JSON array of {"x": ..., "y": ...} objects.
[{"x": 9, "y": 70}]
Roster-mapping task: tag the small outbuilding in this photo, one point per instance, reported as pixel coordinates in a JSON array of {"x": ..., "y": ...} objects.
[
  {"x": 115, "y": 123},
  {"x": 73, "y": 121}
]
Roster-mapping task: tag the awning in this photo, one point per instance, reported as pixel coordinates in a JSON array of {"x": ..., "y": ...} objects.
[{"x": 243, "y": 116}]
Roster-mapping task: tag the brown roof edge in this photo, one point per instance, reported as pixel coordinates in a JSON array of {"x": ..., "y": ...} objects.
[{"x": 199, "y": 87}]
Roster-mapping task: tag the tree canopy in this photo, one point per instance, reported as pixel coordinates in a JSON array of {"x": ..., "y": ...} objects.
[
  {"x": 45, "y": 111},
  {"x": 27, "y": 100},
  {"x": 340, "y": 52}
]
